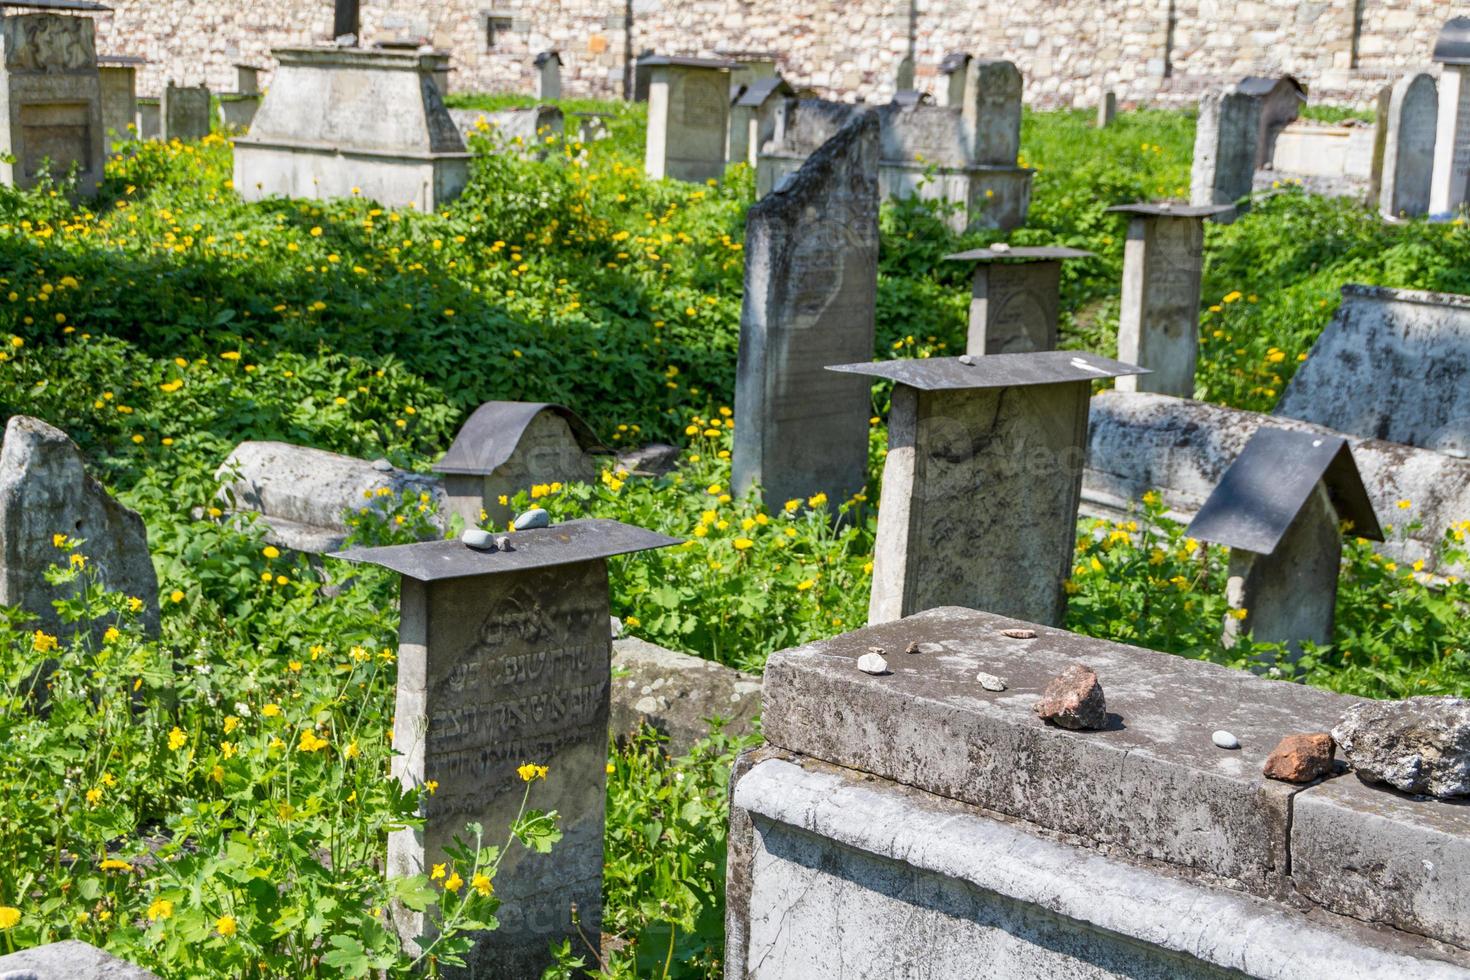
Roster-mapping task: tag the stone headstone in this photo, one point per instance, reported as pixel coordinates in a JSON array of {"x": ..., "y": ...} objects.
[
  {"x": 677, "y": 694},
  {"x": 51, "y": 94},
  {"x": 70, "y": 959},
  {"x": 150, "y": 126},
  {"x": 1382, "y": 102},
  {"x": 992, "y": 112},
  {"x": 1450, "y": 184},
  {"x": 45, "y": 491},
  {"x": 753, "y": 118},
  {"x": 981, "y": 482},
  {"x": 903, "y": 75},
  {"x": 506, "y": 447},
  {"x": 811, "y": 261},
  {"x": 1015, "y": 298},
  {"x": 185, "y": 112},
  {"x": 1281, "y": 99},
  {"x": 1107, "y": 108},
  {"x": 1224, "y": 148},
  {"x": 503, "y": 660},
  {"x": 548, "y": 75},
  {"x": 1408, "y": 154},
  {"x": 1391, "y": 365},
  {"x": 117, "y": 80},
  {"x": 247, "y": 80},
  {"x": 237, "y": 112},
  {"x": 688, "y": 118}
]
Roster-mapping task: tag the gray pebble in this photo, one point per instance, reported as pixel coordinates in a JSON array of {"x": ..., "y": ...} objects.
[
  {"x": 478, "y": 538},
  {"x": 533, "y": 518},
  {"x": 1225, "y": 740},
  {"x": 872, "y": 663},
  {"x": 966, "y": 359},
  {"x": 990, "y": 682},
  {"x": 382, "y": 466},
  {"x": 503, "y": 543}
]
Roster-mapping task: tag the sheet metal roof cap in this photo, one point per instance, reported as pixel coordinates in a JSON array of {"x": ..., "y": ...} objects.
[
  {"x": 546, "y": 56},
  {"x": 1021, "y": 253},
  {"x": 1172, "y": 208},
  {"x": 1452, "y": 47},
  {"x": 490, "y": 435},
  {"x": 953, "y": 62},
  {"x": 993, "y": 370},
  {"x": 662, "y": 59},
  {"x": 758, "y": 91},
  {"x": 1265, "y": 488},
  {"x": 560, "y": 544}
]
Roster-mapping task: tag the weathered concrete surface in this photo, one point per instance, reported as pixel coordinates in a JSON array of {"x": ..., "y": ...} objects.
[
  {"x": 1151, "y": 783},
  {"x": 304, "y": 495},
  {"x": 70, "y": 959},
  {"x": 1408, "y": 156},
  {"x": 848, "y": 876},
  {"x": 1139, "y": 442},
  {"x": 1384, "y": 857},
  {"x": 1393, "y": 364},
  {"x": 1224, "y": 147},
  {"x": 1013, "y": 307},
  {"x": 677, "y": 694},
  {"x": 688, "y": 115},
  {"x": 45, "y": 491},
  {"x": 1417, "y": 745}
]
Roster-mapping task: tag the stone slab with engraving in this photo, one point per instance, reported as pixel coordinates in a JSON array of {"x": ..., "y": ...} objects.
[
  {"x": 1224, "y": 148},
  {"x": 49, "y": 86},
  {"x": 688, "y": 117},
  {"x": 185, "y": 112},
  {"x": 1015, "y": 297},
  {"x": 1408, "y": 154}
]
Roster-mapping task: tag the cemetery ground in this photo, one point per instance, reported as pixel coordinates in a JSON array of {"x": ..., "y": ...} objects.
[{"x": 215, "y": 801}]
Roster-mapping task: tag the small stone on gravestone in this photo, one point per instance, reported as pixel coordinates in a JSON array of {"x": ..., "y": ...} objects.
[
  {"x": 1224, "y": 739},
  {"x": 917, "y": 647},
  {"x": 990, "y": 682},
  {"x": 1417, "y": 745},
  {"x": 533, "y": 518},
  {"x": 1300, "y": 758},
  {"x": 478, "y": 538},
  {"x": 1074, "y": 700},
  {"x": 1019, "y": 634},
  {"x": 872, "y": 663}
]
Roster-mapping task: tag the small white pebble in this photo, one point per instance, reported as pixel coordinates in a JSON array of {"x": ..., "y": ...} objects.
[
  {"x": 872, "y": 663},
  {"x": 999, "y": 247},
  {"x": 966, "y": 359},
  {"x": 1225, "y": 740},
  {"x": 990, "y": 682}
]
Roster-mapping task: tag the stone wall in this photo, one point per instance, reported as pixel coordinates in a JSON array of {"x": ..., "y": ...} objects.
[{"x": 1069, "y": 50}]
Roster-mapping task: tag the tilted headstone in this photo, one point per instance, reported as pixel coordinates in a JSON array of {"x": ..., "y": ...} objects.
[
  {"x": 185, "y": 112},
  {"x": 1281, "y": 509},
  {"x": 1158, "y": 325},
  {"x": 305, "y": 496},
  {"x": 45, "y": 491},
  {"x": 811, "y": 279},
  {"x": 118, "y": 80},
  {"x": 70, "y": 959},
  {"x": 548, "y": 75},
  {"x": 953, "y": 74},
  {"x": 1107, "y": 109},
  {"x": 688, "y": 118},
  {"x": 1281, "y": 100},
  {"x": 1015, "y": 297},
  {"x": 1450, "y": 184},
  {"x": 51, "y": 96},
  {"x": 981, "y": 483},
  {"x": 1391, "y": 365},
  {"x": 506, "y": 447},
  {"x": 1408, "y": 152},
  {"x": 503, "y": 660},
  {"x": 1224, "y": 148}
]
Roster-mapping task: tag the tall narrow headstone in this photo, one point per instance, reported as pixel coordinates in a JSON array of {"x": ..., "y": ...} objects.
[
  {"x": 982, "y": 481},
  {"x": 954, "y": 70},
  {"x": 247, "y": 80},
  {"x": 1158, "y": 325},
  {"x": 118, "y": 77},
  {"x": 1450, "y": 186},
  {"x": 903, "y": 76},
  {"x": 811, "y": 273},
  {"x": 1224, "y": 148},
  {"x": 149, "y": 125},
  {"x": 185, "y": 112},
  {"x": 1107, "y": 109},
  {"x": 688, "y": 118},
  {"x": 1015, "y": 297},
  {"x": 548, "y": 75},
  {"x": 1382, "y": 103},
  {"x": 50, "y": 94},
  {"x": 753, "y": 117},
  {"x": 992, "y": 112},
  {"x": 503, "y": 660},
  {"x": 1408, "y": 152}
]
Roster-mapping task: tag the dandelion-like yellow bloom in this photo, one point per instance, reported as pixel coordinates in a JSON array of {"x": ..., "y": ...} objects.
[
  {"x": 310, "y": 741},
  {"x": 161, "y": 908},
  {"x": 113, "y": 864},
  {"x": 9, "y": 917},
  {"x": 743, "y": 544},
  {"x": 43, "y": 642},
  {"x": 453, "y": 883},
  {"x": 177, "y": 739},
  {"x": 225, "y": 925},
  {"x": 531, "y": 771},
  {"x": 482, "y": 884},
  {"x": 176, "y": 596}
]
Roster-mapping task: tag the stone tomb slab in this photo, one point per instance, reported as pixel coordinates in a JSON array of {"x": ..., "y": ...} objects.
[
  {"x": 1151, "y": 783},
  {"x": 1015, "y": 297},
  {"x": 118, "y": 77},
  {"x": 688, "y": 117}
]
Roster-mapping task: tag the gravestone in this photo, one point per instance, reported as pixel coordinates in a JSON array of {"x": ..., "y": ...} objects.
[
  {"x": 503, "y": 660},
  {"x": 117, "y": 77},
  {"x": 185, "y": 112},
  {"x": 1015, "y": 297},
  {"x": 506, "y": 447},
  {"x": 247, "y": 80},
  {"x": 51, "y": 94},
  {"x": 1107, "y": 109},
  {"x": 548, "y": 75},
  {"x": 811, "y": 268},
  {"x": 45, "y": 491},
  {"x": 688, "y": 118},
  {"x": 1224, "y": 148},
  {"x": 1280, "y": 510},
  {"x": 150, "y": 126},
  {"x": 753, "y": 116},
  {"x": 954, "y": 72},
  {"x": 992, "y": 112},
  {"x": 1158, "y": 325},
  {"x": 1450, "y": 184},
  {"x": 1281, "y": 100},
  {"x": 903, "y": 75},
  {"x": 1408, "y": 151},
  {"x": 1391, "y": 365},
  {"x": 981, "y": 482}
]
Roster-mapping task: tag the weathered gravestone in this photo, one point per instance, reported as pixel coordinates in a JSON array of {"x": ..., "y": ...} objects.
[
  {"x": 1107, "y": 108},
  {"x": 45, "y": 491},
  {"x": 1393, "y": 364},
  {"x": 903, "y": 75},
  {"x": 1015, "y": 297},
  {"x": 548, "y": 75},
  {"x": 1158, "y": 325},
  {"x": 503, "y": 660},
  {"x": 117, "y": 77},
  {"x": 1450, "y": 184},
  {"x": 506, "y": 447},
  {"x": 1408, "y": 150},
  {"x": 1281, "y": 100},
  {"x": 1224, "y": 148},
  {"x": 1281, "y": 509},
  {"x": 954, "y": 72},
  {"x": 185, "y": 112},
  {"x": 753, "y": 117},
  {"x": 70, "y": 959},
  {"x": 811, "y": 261},
  {"x": 688, "y": 116},
  {"x": 149, "y": 126},
  {"x": 247, "y": 80},
  {"x": 981, "y": 483},
  {"x": 992, "y": 123},
  {"x": 51, "y": 96},
  {"x": 677, "y": 694}
]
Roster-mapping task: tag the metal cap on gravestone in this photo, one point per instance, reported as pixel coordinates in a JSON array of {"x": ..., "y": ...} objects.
[
  {"x": 1452, "y": 46},
  {"x": 952, "y": 70},
  {"x": 506, "y": 447},
  {"x": 548, "y": 75},
  {"x": 982, "y": 481},
  {"x": 688, "y": 117},
  {"x": 1281, "y": 509},
  {"x": 753, "y": 112},
  {"x": 1015, "y": 298},
  {"x": 504, "y": 659},
  {"x": 1158, "y": 325},
  {"x": 1451, "y": 179}
]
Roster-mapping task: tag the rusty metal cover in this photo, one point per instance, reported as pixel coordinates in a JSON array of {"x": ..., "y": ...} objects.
[
  {"x": 1020, "y": 253},
  {"x": 490, "y": 435},
  {"x": 1264, "y": 489},
  {"x": 560, "y": 544},
  {"x": 1172, "y": 209},
  {"x": 993, "y": 370}
]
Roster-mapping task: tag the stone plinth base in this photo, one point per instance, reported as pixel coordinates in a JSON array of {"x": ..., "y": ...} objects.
[{"x": 263, "y": 170}]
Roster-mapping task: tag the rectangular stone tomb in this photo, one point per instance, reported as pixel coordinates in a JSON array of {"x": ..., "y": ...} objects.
[
  {"x": 343, "y": 121},
  {"x": 918, "y": 822},
  {"x": 1015, "y": 297},
  {"x": 982, "y": 480},
  {"x": 504, "y": 660},
  {"x": 688, "y": 117},
  {"x": 51, "y": 94}
]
